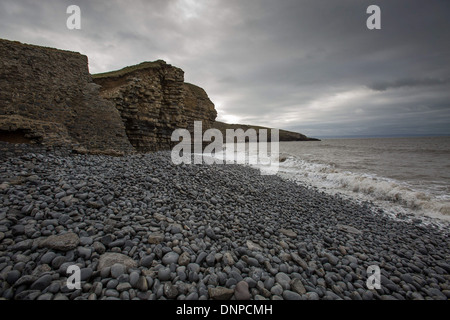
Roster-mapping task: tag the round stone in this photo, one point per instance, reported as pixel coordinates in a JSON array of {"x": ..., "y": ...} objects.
[
  {"x": 283, "y": 279},
  {"x": 241, "y": 292},
  {"x": 12, "y": 276},
  {"x": 164, "y": 274},
  {"x": 290, "y": 295},
  {"x": 184, "y": 259},
  {"x": 277, "y": 289},
  {"x": 48, "y": 257},
  {"x": 147, "y": 261},
  {"x": 170, "y": 257},
  {"x": 117, "y": 270},
  {"x": 134, "y": 278},
  {"x": 42, "y": 283},
  {"x": 86, "y": 241}
]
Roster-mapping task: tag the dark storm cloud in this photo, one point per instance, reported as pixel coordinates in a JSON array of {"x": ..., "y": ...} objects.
[{"x": 310, "y": 66}]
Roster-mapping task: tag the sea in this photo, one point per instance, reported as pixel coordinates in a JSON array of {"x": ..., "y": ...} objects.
[{"x": 403, "y": 176}]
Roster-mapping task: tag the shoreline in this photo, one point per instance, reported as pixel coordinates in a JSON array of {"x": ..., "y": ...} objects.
[
  {"x": 198, "y": 232},
  {"x": 396, "y": 212}
]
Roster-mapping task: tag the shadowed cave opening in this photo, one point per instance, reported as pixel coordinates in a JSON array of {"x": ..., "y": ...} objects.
[{"x": 17, "y": 136}]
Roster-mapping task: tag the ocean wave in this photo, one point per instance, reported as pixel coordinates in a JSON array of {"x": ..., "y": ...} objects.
[{"x": 368, "y": 186}]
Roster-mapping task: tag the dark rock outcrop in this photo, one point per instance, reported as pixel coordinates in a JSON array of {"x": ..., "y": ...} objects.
[
  {"x": 284, "y": 135},
  {"x": 198, "y": 107}
]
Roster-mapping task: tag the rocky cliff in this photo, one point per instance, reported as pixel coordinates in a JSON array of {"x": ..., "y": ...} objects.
[
  {"x": 153, "y": 101},
  {"x": 150, "y": 99},
  {"x": 47, "y": 96},
  {"x": 284, "y": 135},
  {"x": 198, "y": 107}
]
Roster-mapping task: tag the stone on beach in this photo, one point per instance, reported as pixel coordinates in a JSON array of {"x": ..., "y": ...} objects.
[
  {"x": 109, "y": 259},
  {"x": 348, "y": 229},
  {"x": 155, "y": 238},
  {"x": 253, "y": 246},
  {"x": 220, "y": 293},
  {"x": 63, "y": 242},
  {"x": 289, "y": 233},
  {"x": 241, "y": 292}
]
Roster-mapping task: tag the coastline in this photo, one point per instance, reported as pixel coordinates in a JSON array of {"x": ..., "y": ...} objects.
[{"x": 198, "y": 232}]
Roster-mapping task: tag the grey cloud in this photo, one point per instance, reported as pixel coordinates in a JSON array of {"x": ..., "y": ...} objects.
[
  {"x": 383, "y": 86},
  {"x": 293, "y": 64}
]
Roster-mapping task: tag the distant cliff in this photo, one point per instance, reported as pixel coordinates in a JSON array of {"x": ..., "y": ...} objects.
[{"x": 283, "y": 134}]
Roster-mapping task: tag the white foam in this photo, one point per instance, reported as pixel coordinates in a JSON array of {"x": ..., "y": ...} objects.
[{"x": 391, "y": 194}]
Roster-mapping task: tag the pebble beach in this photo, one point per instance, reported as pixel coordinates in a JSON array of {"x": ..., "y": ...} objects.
[{"x": 140, "y": 227}]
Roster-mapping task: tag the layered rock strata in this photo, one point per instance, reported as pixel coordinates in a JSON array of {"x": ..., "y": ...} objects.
[{"x": 153, "y": 101}]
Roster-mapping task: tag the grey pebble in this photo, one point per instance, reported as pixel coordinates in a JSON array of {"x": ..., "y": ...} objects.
[
  {"x": 112, "y": 284},
  {"x": 284, "y": 280},
  {"x": 290, "y": 295},
  {"x": 277, "y": 289},
  {"x": 13, "y": 276},
  {"x": 42, "y": 283},
  {"x": 147, "y": 261},
  {"x": 201, "y": 257},
  {"x": 312, "y": 296},
  {"x": 170, "y": 257},
  {"x": 85, "y": 253},
  {"x": 112, "y": 293},
  {"x": 164, "y": 274},
  {"x": 86, "y": 273},
  {"x": 134, "y": 278},
  {"x": 48, "y": 257},
  {"x": 86, "y": 241},
  {"x": 124, "y": 286},
  {"x": 117, "y": 270}
]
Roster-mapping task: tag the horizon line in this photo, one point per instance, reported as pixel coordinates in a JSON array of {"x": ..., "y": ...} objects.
[{"x": 368, "y": 136}]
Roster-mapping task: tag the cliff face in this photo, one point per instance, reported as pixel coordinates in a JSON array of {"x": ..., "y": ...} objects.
[
  {"x": 153, "y": 101},
  {"x": 47, "y": 96},
  {"x": 150, "y": 101},
  {"x": 198, "y": 107}
]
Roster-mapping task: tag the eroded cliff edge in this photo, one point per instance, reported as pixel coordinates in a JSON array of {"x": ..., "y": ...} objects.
[{"x": 153, "y": 101}]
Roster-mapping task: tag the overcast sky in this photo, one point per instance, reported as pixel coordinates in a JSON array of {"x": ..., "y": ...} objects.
[{"x": 310, "y": 66}]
